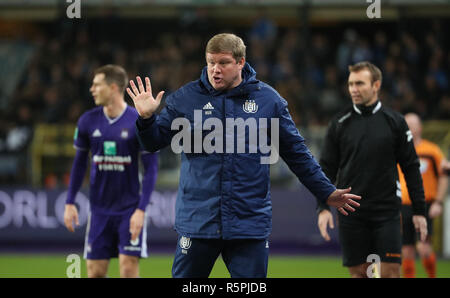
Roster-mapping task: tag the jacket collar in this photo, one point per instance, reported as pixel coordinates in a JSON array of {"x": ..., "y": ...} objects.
[{"x": 367, "y": 110}]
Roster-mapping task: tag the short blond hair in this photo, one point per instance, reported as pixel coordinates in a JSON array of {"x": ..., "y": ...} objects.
[{"x": 227, "y": 43}]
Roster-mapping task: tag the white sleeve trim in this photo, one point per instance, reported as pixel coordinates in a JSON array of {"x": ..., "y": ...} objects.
[{"x": 79, "y": 148}]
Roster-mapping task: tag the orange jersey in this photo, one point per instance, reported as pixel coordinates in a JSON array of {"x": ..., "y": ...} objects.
[{"x": 431, "y": 157}]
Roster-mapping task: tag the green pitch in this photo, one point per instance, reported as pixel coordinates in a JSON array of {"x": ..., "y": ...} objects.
[{"x": 31, "y": 266}]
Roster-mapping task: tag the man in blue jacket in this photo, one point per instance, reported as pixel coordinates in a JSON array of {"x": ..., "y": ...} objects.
[{"x": 221, "y": 124}]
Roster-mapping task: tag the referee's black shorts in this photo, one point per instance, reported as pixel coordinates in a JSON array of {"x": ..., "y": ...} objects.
[
  {"x": 409, "y": 232},
  {"x": 366, "y": 234}
]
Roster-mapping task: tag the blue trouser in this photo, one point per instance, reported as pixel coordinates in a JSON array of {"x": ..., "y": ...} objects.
[{"x": 244, "y": 258}]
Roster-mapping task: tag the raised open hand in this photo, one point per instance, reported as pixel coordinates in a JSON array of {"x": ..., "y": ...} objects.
[{"x": 142, "y": 97}]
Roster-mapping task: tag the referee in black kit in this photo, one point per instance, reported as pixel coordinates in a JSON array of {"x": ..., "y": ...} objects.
[{"x": 363, "y": 145}]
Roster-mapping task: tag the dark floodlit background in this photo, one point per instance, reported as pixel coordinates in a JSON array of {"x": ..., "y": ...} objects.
[{"x": 301, "y": 48}]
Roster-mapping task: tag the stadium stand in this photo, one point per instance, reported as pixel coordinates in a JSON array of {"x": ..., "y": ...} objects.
[{"x": 54, "y": 63}]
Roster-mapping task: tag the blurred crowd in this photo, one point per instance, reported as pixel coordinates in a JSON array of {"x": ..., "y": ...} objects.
[{"x": 308, "y": 67}]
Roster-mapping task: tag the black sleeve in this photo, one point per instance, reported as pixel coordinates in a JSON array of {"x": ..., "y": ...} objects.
[
  {"x": 410, "y": 165},
  {"x": 329, "y": 159}
]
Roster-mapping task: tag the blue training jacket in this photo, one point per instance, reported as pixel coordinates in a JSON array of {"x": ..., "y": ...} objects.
[{"x": 226, "y": 194}]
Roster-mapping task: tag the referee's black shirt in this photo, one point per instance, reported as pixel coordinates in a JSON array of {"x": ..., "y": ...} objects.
[{"x": 362, "y": 148}]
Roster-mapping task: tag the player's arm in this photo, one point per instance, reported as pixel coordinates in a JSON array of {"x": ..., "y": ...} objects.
[
  {"x": 77, "y": 173},
  {"x": 410, "y": 165},
  {"x": 325, "y": 219},
  {"x": 150, "y": 163},
  {"x": 82, "y": 144},
  {"x": 446, "y": 167},
  {"x": 442, "y": 185}
]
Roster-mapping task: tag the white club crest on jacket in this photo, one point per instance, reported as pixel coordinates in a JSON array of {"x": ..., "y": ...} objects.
[
  {"x": 185, "y": 242},
  {"x": 250, "y": 106}
]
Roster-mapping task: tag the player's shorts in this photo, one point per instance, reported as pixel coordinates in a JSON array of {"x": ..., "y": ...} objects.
[
  {"x": 107, "y": 236},
  {"x": 363, "y": 235},
  {"x": 244, "y": 258},
  {"x": 408, "y": 231}
]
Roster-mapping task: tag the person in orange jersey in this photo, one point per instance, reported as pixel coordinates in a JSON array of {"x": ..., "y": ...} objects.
[{"x": 435, "y": 184}]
